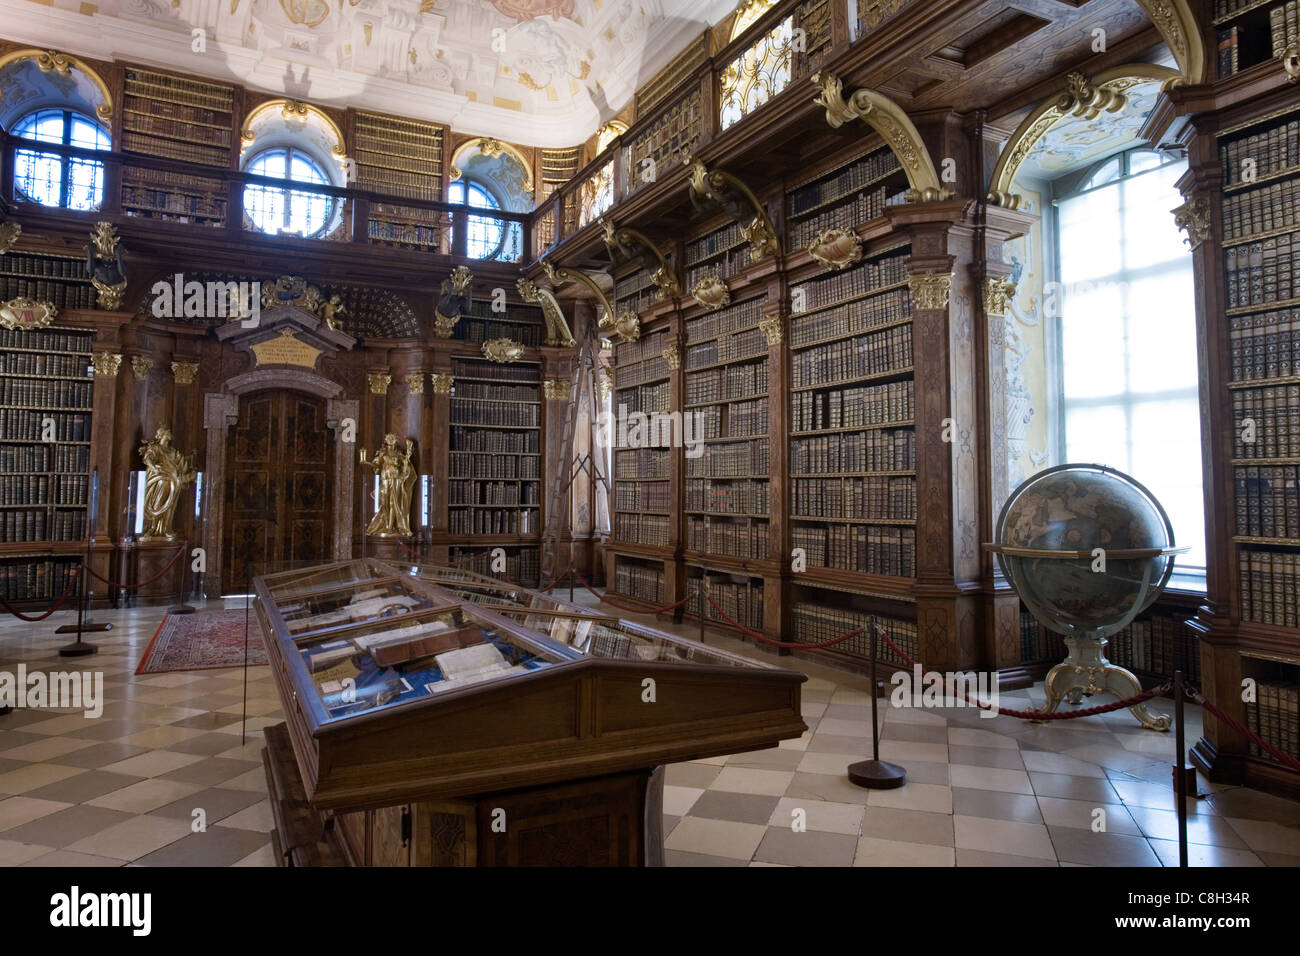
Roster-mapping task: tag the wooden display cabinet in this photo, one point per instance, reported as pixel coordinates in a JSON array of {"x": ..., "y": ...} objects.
[{"x": 546, "y": 754}]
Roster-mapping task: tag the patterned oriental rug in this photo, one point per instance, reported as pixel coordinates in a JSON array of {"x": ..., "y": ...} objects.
[{"x": 203, "y": 640}]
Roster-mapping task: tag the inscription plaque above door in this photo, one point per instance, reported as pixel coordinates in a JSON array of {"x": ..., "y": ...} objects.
[{"x": 286, "y": 335}]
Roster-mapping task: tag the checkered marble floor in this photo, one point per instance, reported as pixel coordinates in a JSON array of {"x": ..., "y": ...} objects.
[{"x": 123, "y": 789}]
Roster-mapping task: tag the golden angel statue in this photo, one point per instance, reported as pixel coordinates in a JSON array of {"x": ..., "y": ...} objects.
[
  {"x": 167, "y": 472},
  {"x": 396, "y": 479}
]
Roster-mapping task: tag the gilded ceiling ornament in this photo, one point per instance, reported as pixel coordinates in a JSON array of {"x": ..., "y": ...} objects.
[
  {"x": 1291, "y": 61},
  {"x": 773, "y": 329},
  {"x": 711, "y": 291},
  {"x": 185, "y": 372},
  {"x": 1178, "y": 26},
  {"x": 306, "y": 13},
  {"x": 140, "y": 365},
  {"x": 59, "y": 63},
  {"x": 379, "y": 382},
  {"x": 106, "y": 364},
  {"x": 556, "y": 390},
  {"x": 836, "y": 248},
  {"x": 489, "y": 147},
  {"x": 294, "y": 290},
  {"x": 739, "y": 202},
  {"x": 557, "y": 328},
  {"x": 673, "y": 356},
  {"x": 415, "y": 383},
  {"x": 998, "y": 295},
  {"x": 930, "y": 290},
  {"x": 9, "y": 233},
  {"x": 441, "y": 382},
  {"x": 453, "y": 301},
  {"x": 531, "y": 9},
  {"x": 503, "y": 350},
  {"x": 1083, "y": 99},
  {"x": 1195, "y": 217}
]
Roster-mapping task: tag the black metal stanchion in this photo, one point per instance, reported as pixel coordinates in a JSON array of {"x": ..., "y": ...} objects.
[
  {"x": 79, "y": 648},
  {"x": 1180, "y": 775},
  {"x": 876, "y": 774},
  {"x": 87, "y": 594},
  {"x": 180, "y": 607}
]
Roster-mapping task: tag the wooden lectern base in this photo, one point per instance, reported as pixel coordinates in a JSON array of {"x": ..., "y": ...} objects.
[{"x": 614, "y": 820}]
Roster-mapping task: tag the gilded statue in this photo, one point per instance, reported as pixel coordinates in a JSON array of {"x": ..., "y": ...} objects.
[
  {"x": 107, "y": 266},
  {"x": 167, "y": 472},
  {"x": 396, "y": 480},
  {"x": 331, "y": 310},
  {"x": 453, "y": 301}
]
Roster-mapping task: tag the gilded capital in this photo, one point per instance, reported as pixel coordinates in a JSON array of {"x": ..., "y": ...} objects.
[
  {"x": 379, "y": 382},
  {"x": 185, "y": 372},
  {"x": 442, "y": 383},
  {"x": 106, "y": 363},
  {"x": 998, "y": 295},
  {"x": 556, "y": 390},
  {"x": 140, "y": 365},
  {"x": 673, "y": 356},
  {"x": 774, "y": 328},
  {"x": 415, "y": 383},
  {"x": 930, "y": 290},
  {"x": 1194, "y": 216}
]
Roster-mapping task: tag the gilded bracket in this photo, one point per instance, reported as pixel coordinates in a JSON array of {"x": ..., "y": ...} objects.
[
  {"x": 888, "y": 119},
  {"x": 1194, "y": 216},
  {"x": 739, "y": 202},
  {"x": 627, "y": 244},
  {"x": 626, "y": 323},
  {"x": 557, "y": 327}
]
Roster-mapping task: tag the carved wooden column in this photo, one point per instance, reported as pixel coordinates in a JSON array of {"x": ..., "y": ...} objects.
[
  {"x": 107, "y": 368},
  {"x": 440, "y": 385},
  {"x": 947, "y": 559},
  {"x": 557, "y": 381},
  {"x": 674, "y": 566},
  {"x": 773, "y": 323}
]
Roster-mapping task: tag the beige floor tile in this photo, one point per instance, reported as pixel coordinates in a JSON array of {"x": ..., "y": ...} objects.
[
  {"x": 678, "y": 800},
  {"x": 1265, "y": 835},
  {"x": 67, "y": 858},
  {"x": 1202, "y": 855},
  {"x": 929, "y": 797},
  {"x": 1203, "y": 828},
  {"x": 1081, "y": 814},
  {"x": 145, "y": 796},
  {"x": 155, "y": 763},
  {"x": 722, "y": 838},
  {"x": 806, "y": 848},
  {"x": 16, "y": 854},
  {"x": 51, "y": 748},
  {"x": 254, "y": 780},
  {"x": 982, "y": 858},
  {"x": 1073, "y": 788},
  {"x": 15, "y": 811},
  {"x": 827, "y": 763},
  {"x": 904, "y": 751},
  {"x": 158, "y": 738},
  {"x": 875, "y": 852},
  {"x": 1016, "y": 807},
  {"x": 691, "y": 774},
  {"x": 256, "y": 817},
  {"x": 746, "y": 780},
  {"x": 264, "y": 856},
  {"x": 819, "y": 815},
  {"x": 54, "y": 726},
  {"x": 1043, "y": 761},
  {"x": 132, "y": 838},
  {"x": 33, "y": 776},
  {"x": 908, "y": 826},
  {"x": 967, "y": 737},
  {"x": 990, "y": 778},
  {"x": 1003, "y": 836}
]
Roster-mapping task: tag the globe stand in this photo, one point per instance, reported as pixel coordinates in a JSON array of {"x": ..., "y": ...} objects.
[{"x": 1086, "y": 671}]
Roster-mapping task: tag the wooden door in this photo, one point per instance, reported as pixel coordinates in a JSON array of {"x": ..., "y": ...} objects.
[{"x": 279, "y": 491}]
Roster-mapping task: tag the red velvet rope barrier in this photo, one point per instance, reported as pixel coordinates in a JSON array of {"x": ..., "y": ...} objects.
[
  {"x": 774, "y": 643},
  {"x": 1244, "y": 730},
  {"x": 142, "y": 584},
  {"x": 1037, "y": 714},
  {"x": 31, "y": 619},
  {"x": 625, "y": 607}
]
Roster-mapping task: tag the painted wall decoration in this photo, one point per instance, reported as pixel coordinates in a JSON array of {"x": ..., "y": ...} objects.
[{"x": 1026, "y": 351}]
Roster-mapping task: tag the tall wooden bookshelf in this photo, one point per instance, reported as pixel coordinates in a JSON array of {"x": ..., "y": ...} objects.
[
  {"x": 635, "y": 292},
  {"x": 523, "y": 323},
  {"x": 723, "y": 252},
  {"x": 644, "y": 507},
  {"x": 1243, "y": 223},
  {"x": 60, "y": 280},
  {"x": 727, "y": 485},
  {"x": 399, "y": 157},
  {"x": 45, "y": 381},
  {"x": 181, "y": 119}
]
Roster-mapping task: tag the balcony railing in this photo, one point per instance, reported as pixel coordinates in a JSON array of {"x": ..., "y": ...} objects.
[{"x": 235, "y": 203}]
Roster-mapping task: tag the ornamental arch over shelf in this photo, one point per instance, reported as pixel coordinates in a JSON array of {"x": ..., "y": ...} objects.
[
  {"x": 490, "y": 147},
  {"x": 94, "y": 95},
  {"x": 1082, "y": 96},
  {"x": 1177, "y": 25},
  {"x": 894, "y": 126}
]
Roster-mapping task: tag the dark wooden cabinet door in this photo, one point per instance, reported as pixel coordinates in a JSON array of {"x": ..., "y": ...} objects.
[{"x": 278, "y": 495}]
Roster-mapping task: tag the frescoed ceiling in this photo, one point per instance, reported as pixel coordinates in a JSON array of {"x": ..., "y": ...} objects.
[
  {"x": 1076, "y": 141},
  {"x": 539, "y": 72}
]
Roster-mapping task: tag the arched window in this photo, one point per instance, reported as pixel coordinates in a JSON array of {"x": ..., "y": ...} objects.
[
  {"x": 52, "y": 179},
  {"x": 282, "y": 209},
  {"x": 759, "y": 72},
  {"x": 484, "y": 235}
]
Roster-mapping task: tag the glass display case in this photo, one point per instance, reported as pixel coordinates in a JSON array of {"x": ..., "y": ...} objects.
[{"x": 406, "y": 683}]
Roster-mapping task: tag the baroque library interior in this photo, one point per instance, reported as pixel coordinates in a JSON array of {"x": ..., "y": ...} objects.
[{"x": 819, "y": 433}]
